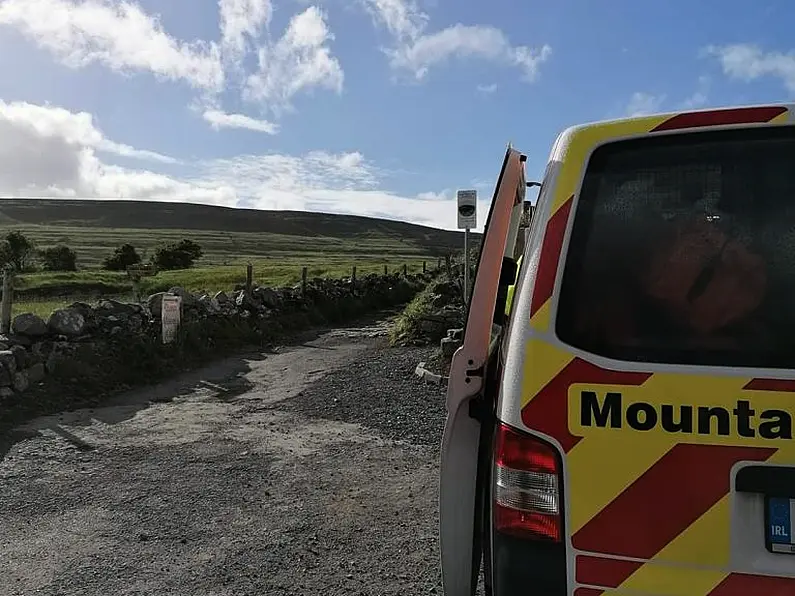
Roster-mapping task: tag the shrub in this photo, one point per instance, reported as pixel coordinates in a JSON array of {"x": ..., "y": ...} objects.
[
  {"x": 58, "y": 258},
  {"x": 123, "y": 257},
  {"x": 16, "y": 251},
  {"x": 177, "y": 255}
]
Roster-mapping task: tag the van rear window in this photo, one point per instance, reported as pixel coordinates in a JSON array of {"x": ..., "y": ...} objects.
[{"x": 683, "y": 251}]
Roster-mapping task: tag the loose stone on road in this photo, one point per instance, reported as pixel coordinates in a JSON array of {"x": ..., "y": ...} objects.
[{"x": 308, "y": 470}]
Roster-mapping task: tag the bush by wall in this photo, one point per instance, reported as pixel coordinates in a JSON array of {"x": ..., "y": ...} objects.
[{"x": 434, "y": 310}]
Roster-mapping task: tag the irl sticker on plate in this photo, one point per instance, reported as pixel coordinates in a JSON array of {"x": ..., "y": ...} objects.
[{"x": 780, "y": 521}]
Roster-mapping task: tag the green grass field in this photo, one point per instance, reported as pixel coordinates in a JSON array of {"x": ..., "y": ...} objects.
[
  {"x": 278, "y": 244},
  {"x": 94, "y": 228},
  {"x": 42, "y": 293},
  {"x": 93, "y": 245}
]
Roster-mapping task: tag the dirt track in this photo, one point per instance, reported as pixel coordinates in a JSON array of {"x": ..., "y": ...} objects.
[{"x": 309, "y": 470}]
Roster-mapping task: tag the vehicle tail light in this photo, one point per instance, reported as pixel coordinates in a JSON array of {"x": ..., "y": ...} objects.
[{"x": 527, "y": 483}]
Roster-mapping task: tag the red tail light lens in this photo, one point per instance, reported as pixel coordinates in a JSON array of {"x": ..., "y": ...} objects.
[{"x": 527, "y": 487}]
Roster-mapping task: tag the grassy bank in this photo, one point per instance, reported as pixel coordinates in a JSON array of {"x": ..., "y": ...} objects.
[{"x": 434, "y": 310}]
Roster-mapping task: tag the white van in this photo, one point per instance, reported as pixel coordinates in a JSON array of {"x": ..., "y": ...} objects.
[{"x": 627, "y": 430}]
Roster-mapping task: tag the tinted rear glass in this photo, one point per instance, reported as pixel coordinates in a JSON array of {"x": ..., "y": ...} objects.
[{"x": 683, "y": 251}]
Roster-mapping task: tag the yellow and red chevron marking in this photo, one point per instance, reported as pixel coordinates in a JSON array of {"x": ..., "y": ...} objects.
[
  {"x": 657, "y": 499},
  {"x": 654, "y": 505},
  {"x": 733, "y": 584},
  {"x": 576, "y": 148}
]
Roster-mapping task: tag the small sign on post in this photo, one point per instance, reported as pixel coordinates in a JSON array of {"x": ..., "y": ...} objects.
[
  {"x": 467, "y": 209},
  {"x": 170, "y": 315},
  {"x": 467, "y": 219}
]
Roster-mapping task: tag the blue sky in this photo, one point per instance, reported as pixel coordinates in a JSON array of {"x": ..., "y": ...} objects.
[{"x": 372, "y": 107}]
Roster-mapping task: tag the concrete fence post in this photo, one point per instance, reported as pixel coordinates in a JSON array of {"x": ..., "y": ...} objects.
[{"x": 304, "y": 273}]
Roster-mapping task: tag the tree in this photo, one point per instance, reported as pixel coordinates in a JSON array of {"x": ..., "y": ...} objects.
[
  {"x": 16, "y": 250},
  {"x": 58, "y": 258},
  {"x": 176, "y": 255},
  {"x": 123, "y": 257}
]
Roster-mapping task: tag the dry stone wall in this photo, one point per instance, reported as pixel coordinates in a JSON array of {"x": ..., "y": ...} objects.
[{"x": 82, "y": 352}]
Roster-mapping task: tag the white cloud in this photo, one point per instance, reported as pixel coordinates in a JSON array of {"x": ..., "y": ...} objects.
[
  {"x": 444, "y": 195},
  {"x": 697, "y": 100},
  {"x": 487, "y": 88},
  {"x": 48, "y": 151},
  {"x": 298, "y": 61},
  {"x": 402, "y": 18},
  {"x": 417, "y": 51},
  {"x": 641, "y": 104},
  {"x": 120, "y": 36},
  {"x": 124, "y": 38},
  {"x": 700, "y": 96},
  {"x": 219, "y": 119},
  {"x": 748, "y": 62},
  {"x": 462, "y": 41},
  {"x": 241, "y": 20},
  {"x": 316, "y": 170},
  {"x": 74, "y": 129}
]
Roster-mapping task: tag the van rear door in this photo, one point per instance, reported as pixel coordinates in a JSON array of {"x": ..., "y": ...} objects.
[
  {"x": 659, "y": 363},
  {"x": 470, "y": 397}
]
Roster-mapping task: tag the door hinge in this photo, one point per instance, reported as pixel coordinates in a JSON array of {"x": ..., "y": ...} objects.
[
  {"x": 480, "y": 408},
  {"x": 475, "y": 372}
]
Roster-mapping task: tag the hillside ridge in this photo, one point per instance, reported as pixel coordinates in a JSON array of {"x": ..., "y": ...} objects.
[{"x": 152, "y": 215}]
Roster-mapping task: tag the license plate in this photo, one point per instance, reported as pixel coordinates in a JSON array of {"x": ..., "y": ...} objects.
[{"x": 780, "y": 530}]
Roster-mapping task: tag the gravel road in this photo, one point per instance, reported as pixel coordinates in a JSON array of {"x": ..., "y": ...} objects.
[{"x": 311, "y": 469}]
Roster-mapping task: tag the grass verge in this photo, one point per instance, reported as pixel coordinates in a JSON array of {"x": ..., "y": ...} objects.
[{"x": 426, "y": 319}]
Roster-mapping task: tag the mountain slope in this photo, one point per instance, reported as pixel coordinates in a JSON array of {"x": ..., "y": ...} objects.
[
  {"x": 95, "y": 228},
  {"x": 145, "y": 215}
]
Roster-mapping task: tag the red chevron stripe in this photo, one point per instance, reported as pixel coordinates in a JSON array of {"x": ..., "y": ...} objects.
[
  {"x": 550, "y": 256},
  {"x": 587, "y": 592},
  {"x": 672, "y": 494},
  {"x": 783, "y": 385},
  {"x": 597, "y": 571},
  {"x": 547, "y": 412},
  {"x": 721, "y": 117},
  {"x": 738, "y": 584}
]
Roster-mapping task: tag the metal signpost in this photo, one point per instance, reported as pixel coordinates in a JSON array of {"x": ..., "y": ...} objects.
[{"x": 467, "y": 219}]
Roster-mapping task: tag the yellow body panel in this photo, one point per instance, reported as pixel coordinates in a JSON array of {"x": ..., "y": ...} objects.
[{"x": 607, "y": 466}]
